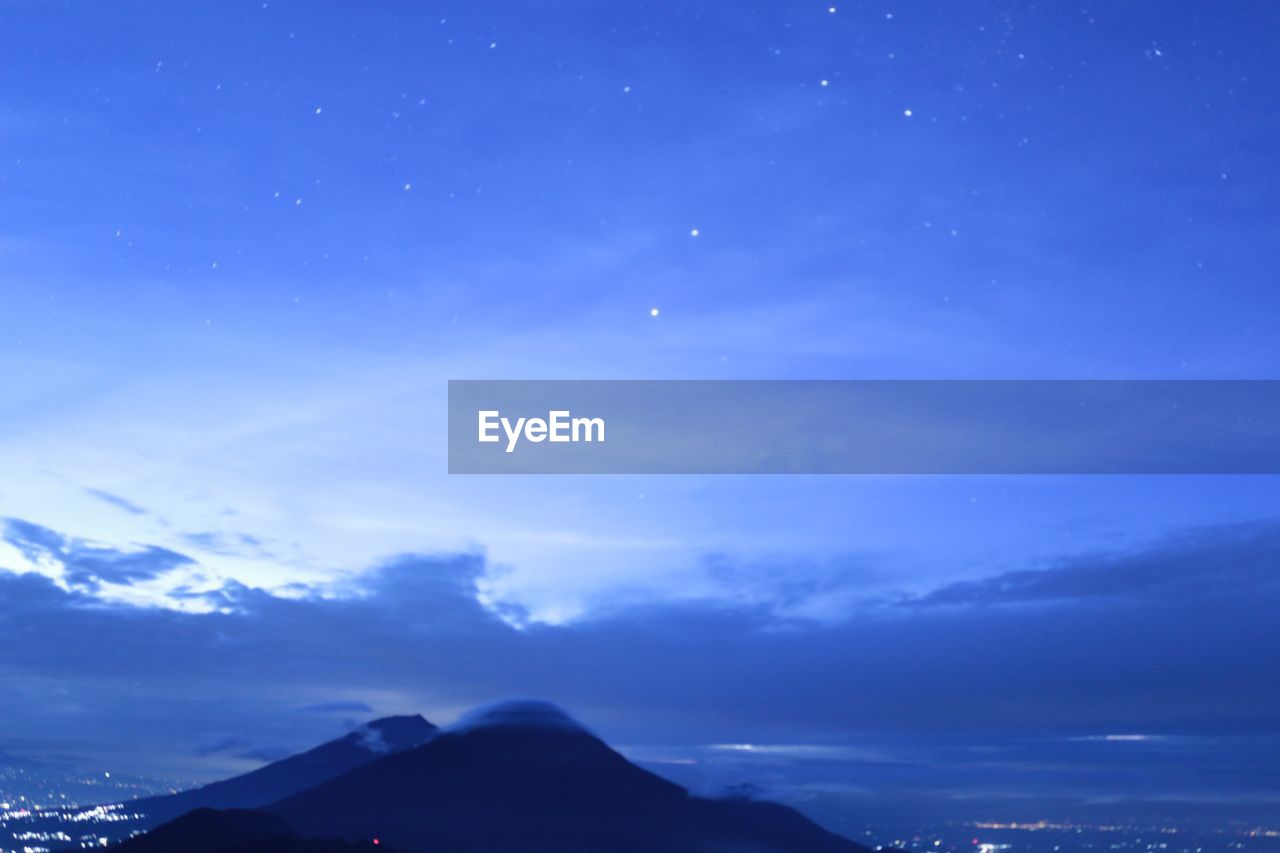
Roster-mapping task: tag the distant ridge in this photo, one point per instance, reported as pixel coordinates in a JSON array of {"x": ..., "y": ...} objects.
[{"x": 296, "y": 773}]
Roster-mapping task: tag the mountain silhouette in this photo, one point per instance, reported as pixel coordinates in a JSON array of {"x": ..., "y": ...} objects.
[
  {"x": 233, "y": 831},
  {"x": 259, "y": 787},
  {"x": 527, "y": 777},
  {"x": 290, "y": 775}
]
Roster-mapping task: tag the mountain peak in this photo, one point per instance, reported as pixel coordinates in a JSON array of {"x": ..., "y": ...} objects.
[
  {"x": 518, "y": 714},
  {"x": 392, "y": 734},
  {"x": 371, "y": 741}
]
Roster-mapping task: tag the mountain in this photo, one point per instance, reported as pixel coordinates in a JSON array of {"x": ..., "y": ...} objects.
[
  {"x": 260, "y": 787},
  {"x": 233, "y": 831},
  {"x": 288, "y": 776},
  {"x": 525, "y": 776}
]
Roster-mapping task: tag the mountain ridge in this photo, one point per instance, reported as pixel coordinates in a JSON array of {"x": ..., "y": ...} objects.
[
  {"x": 526, "y": 776},
  {"x": 515, "y": 776},
  {"x": 279, "y": 779},
  {"x": 259, "y": 787}
]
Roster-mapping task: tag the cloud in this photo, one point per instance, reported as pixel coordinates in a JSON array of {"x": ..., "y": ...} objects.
[
  {"x": 228, "y": 544},
  {"x": 238, "y": 747},
  {"x": 1154, "y": 653},
  {"x": 85, "y": 565},
  {"x": 372, "y": 739},
  {"x": 116, "y": 501},
  {"x": 336, "y": 707},
  {"x": 794, "y": 589},
  {"x": 228, "y": 744},
  {"x": 1208, "y": 562}
]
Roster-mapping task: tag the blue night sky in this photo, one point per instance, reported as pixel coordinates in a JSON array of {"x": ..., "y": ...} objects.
[{"x": 244, "y": 245}]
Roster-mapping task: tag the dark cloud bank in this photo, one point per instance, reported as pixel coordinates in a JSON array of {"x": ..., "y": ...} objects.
[{"x": 1178, "y": 638}]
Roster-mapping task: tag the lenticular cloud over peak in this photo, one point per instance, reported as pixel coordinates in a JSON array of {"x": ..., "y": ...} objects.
[{"x": 518, "y": 714}]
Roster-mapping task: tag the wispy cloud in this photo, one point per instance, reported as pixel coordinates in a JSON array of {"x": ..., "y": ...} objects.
[
  {"x": 116, "y": 501},
  {"x": 1206, "y": 563},
  {"x": 86, "y": 565},
  {"x": 339, "y": 706}
]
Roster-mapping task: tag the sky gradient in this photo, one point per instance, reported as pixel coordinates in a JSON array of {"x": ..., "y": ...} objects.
[{"x": 243, "y": 246}]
